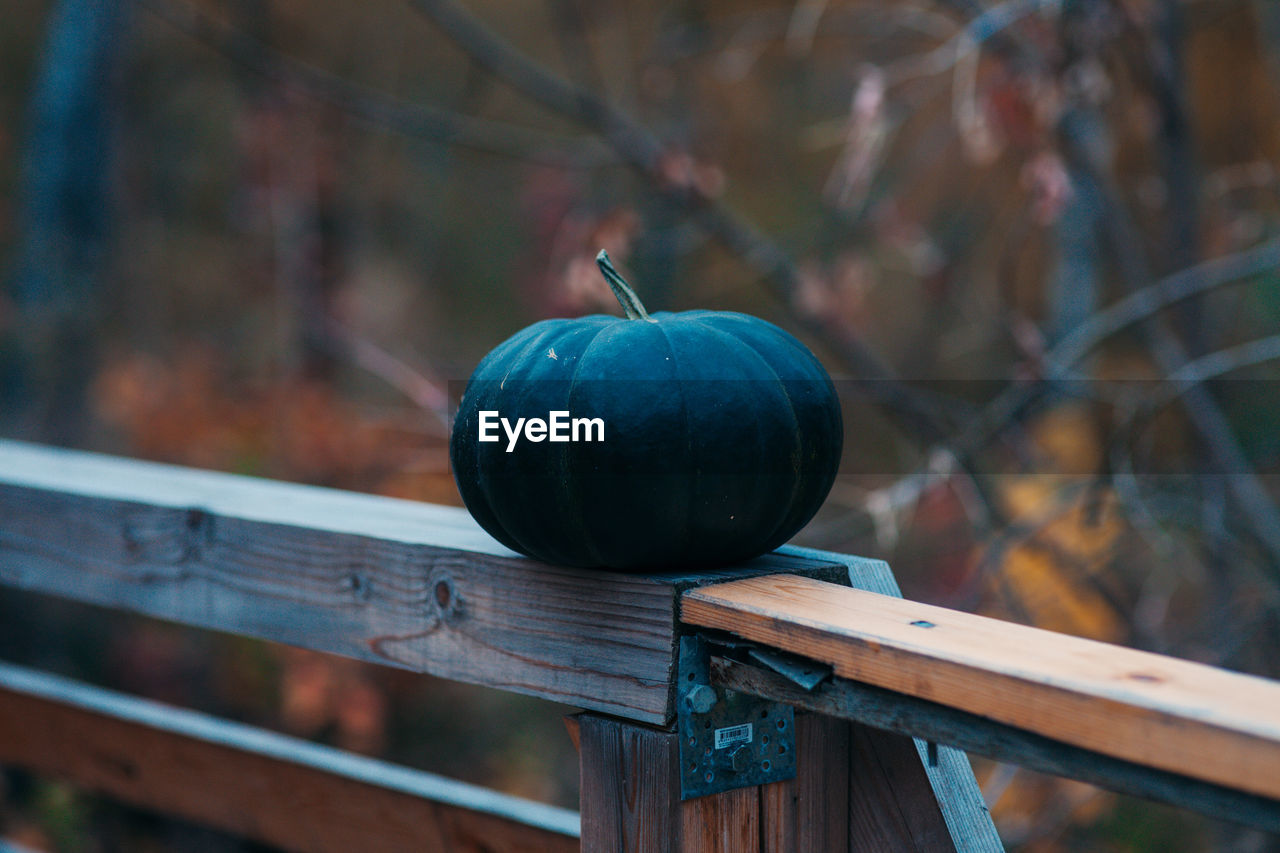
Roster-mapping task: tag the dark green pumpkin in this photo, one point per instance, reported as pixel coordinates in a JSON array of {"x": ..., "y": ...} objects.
[{"x": 722, "y": 436}]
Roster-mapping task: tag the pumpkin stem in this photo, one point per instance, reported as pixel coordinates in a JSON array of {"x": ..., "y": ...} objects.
[{"x": 627, "y": 298}]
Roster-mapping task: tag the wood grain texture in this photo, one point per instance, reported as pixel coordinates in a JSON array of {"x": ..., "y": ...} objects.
[
  {"x": 271, "y": 788},
  {"x": 1160, "y": 712},
  {"x": 810, "y": 814},
  {"x": 856, "y": 789},
  {"x": 907, "y": 715},
  {"x": 721, "y": 823},
  {"x": 778, "y": 819},
  {"x": 630, "y": 787},
  {"x": 389, "y": 581}
]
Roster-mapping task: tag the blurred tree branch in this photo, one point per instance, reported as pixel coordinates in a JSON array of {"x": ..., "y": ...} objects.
[
  {"x": 440, "y": 125},
  {"x": 1087, "y": 154},
  {"x": 648, "y": 155},
  {"x": 571, "y": 31},
  {"x": 750, "y": 29},
  {"x": 981, "y": 27},
  {"x": 1009, "y": 407},
  {"x": 1212, "y": 366},
  {"x": 920, "y": 413},
  {"x": 426, "y": 392},
  {"x": 1256, "y": 503},
  {"x": 1148, "y": 301}
]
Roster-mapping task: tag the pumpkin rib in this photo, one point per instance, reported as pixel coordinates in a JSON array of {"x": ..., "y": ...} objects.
[
  {"x": 686, "y": 531},
  {"x": 634, "y": 370},
  {"x": 540, "y": 332},
  {"x": 776, "y": 333},
  {"x": 800, "y": 512},
  {"x": 565, "y": 471},
  {"x": 535, "y": 538},
  {"x": 527, "y": 376},
  {"x": 768, "y": 539},
  {"x": 797, "y": 481},
  {"x": 484, "y": 508}
]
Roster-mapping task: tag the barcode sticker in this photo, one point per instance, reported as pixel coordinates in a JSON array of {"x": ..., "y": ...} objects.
[{"x": 733, "y": 734}]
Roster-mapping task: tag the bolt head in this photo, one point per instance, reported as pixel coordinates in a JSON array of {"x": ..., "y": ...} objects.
[{"x": 701, "y": 698}]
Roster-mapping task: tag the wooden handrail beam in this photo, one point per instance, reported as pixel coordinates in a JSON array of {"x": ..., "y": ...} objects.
[
  {"x": 1173, "y": 715},
  {"x": 389, "y": 581}
]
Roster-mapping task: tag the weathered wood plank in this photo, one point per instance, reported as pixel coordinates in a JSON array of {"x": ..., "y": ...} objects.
[
  {"x": 907, "y": 715},
  {"x": 272, "y": 788},
  {"x": 389, "y": 581},
  {"x": 1152, "y": 710}
]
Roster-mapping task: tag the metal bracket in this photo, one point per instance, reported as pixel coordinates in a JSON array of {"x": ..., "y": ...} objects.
[
  {"x": 802, "y": 672},
  {"x": 728, "y": 740}
]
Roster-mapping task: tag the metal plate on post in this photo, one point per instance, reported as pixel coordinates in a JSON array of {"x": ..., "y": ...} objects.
[{"x": 728, "y": 740}]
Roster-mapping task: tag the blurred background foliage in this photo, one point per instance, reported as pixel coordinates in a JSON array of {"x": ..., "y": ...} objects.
[{"x": 274, "y": 237}]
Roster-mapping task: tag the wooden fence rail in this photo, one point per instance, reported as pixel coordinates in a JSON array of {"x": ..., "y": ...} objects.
[
  {"x": 422, "y": 587},
  {"x": 394, "y": 582},
  {"x": 265, "y": 786}
]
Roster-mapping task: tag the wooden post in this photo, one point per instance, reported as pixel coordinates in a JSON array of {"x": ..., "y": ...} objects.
[{"x": 857, "y": 789}]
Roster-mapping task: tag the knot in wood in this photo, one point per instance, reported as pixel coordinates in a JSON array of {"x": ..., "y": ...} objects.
[
  {"x": 446, "y": 598},
  {"x": 358, "y": 585}
]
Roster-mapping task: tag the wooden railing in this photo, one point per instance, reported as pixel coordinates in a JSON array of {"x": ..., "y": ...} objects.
[{"x": 421, "y": 587}]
